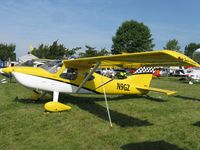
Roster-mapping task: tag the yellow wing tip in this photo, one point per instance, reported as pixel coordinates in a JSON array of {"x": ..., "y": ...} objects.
[{"x": 182, "y": 57}]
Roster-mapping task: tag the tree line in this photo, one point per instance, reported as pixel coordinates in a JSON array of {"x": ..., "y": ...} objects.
[
  {"x": 59, "y": 51},
  {"x": 7, "y": 52},
  {"x": 130, "y": 37}
]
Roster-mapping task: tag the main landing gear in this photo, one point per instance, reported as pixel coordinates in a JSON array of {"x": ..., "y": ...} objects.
[{"x": 53, "y": 106}]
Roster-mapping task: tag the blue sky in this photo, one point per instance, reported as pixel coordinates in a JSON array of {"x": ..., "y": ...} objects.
[{"x": 94, "y": 22}]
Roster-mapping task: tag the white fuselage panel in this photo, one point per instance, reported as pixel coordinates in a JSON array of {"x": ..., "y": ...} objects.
[{"x": 46, "y": 84}]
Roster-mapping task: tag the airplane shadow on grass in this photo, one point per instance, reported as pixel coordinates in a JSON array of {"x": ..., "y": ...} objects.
[
  {"x": 89, "y": 104},
  {"x": 187, "y": 98},
  {"x": 196, "y": 124},
  {"x": 148, "y": 145},
  {"x": 118, "y": 118}
]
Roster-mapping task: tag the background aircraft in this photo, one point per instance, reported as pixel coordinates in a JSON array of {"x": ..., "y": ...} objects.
[{"x": 192, "y": 75}]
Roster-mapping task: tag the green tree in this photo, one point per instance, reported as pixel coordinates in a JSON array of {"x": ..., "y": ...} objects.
[
  {"x": 54, "y": 51},
  {"x": 7, "y": 52},
  {"x": 71, "y": 52},
  {"x": 132, "y": 36},
  {"x": 172, "y": 45},
  {"x": 89, "y": 52},
  {"x": 92, "y": 52},
  {"x": 103, "y": 52},
  {"x": 41, "y": 52},
  {"x": 190, "y": 48}
]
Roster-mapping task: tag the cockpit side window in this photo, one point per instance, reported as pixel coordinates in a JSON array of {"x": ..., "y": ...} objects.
[{"x": 69, "y": 73}]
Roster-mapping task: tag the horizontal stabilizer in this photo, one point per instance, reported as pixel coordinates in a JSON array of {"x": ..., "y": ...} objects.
[{"x": 168, "y": 92}]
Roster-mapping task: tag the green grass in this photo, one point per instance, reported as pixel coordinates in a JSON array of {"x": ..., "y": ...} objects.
[{"x": 139, "y": 122}]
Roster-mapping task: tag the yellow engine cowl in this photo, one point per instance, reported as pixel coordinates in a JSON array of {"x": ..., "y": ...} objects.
[{"x": 56, "y": 107}]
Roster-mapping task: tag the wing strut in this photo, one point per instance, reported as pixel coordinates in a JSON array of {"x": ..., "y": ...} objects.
[
  {"x": 107, "y": 107},
  {"x": 88, "y": 76}
]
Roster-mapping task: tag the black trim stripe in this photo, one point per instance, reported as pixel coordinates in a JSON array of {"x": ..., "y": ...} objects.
[{"x": 104, "y": 83}]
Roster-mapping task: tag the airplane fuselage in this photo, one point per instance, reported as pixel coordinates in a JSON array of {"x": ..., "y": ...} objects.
[{"x": 54, "y": 82}]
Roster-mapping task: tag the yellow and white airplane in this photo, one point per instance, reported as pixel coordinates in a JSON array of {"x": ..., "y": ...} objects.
[{"x": 78, "y": 75}]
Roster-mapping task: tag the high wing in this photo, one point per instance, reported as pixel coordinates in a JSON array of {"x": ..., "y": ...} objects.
[{"x": 152, "y": 58}]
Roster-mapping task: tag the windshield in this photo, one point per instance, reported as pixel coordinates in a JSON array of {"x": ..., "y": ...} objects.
[
  {"x": 52, "y": 66},
  {"x": 28, "y": 63}
]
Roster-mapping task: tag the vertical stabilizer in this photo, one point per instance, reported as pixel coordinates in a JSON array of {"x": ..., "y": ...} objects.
[{"x": 142, "y": 80}]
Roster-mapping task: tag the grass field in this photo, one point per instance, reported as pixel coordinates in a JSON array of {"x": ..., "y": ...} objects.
[{"x": 139, "y": 122}]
